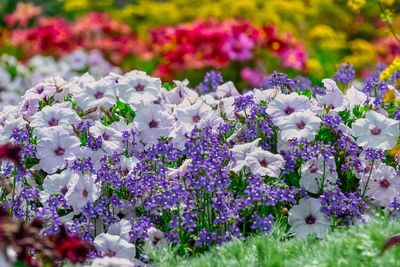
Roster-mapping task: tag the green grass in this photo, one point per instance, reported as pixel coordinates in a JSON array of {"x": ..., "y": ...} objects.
[{"x": 356, "y": 246}]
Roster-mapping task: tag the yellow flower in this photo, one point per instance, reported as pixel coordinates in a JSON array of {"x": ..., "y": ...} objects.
[
  {"x": 395, "y": 151},
  {"x": 390, "y": 96},
  {"x": 387, "y": 2},
  {"x": 326, "y": 37},
  {"x": 363, "y": 54},
  {"x": 356, "y": 5},
  {"x": 76, "y": 5},
  {"x": 393, "y": 67},
  {"x": 314, "y": 67}
]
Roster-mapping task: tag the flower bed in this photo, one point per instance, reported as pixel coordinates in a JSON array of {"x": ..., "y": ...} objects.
[{"x": 125, "y": 160}]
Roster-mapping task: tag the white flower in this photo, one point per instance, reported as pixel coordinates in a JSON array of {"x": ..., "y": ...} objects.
[
  {"x": 299, "y": 125},
  {"x": 77, "y": 60},
  {"x": 97, "y": 94},
  {"x": 333, "y": 98},
  {"x": 193, "y": 114},
  {"x": 264, "y": 163},
  {"x": 355, "y": 97},
  {"x": 172, "y": 173},
  {"x": 128, "y": 164},
  {"x": 58, "y": 184},
  {"x": 114, "y": 246},
  {"x": 56, "y": 148},
  {"x": 239, "y": 153},
  {"x": 306, "y": 218},
  {"x": 40, "y": 91},
  {"x": 180, "y": 93},
  {"x": 180, "y": 135},
  {"x": 284, "y": 105},
  {"x": 152, "y": 122},
  {"x": 213, "y": 119},
  {"x": 111, "y": 138},
  {"x": 227, "y": 89},
  {"x": 139, "y": 89},
  {"x": 376, "y": 131},
  {"x": 62, "y": 87},
  {"x": 312, "y": 175},
  {"x": 121, "y": 228},
  {"x": 267, "y": 94},
  {"x": 94, "y": 155},
  {"x": 56, "y": 115},
  {"x": 383, "y": 184},
  {"x": 84, "y": 190},
  {"x": 156, "y": 237}
]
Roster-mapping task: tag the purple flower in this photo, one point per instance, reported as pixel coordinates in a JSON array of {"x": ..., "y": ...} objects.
[
  {"x": 211, "y": 81},
  {"x": 280, "y": 80},
  {"x": 345, "y": 74}
]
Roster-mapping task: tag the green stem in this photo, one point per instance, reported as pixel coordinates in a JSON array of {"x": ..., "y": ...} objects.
[
  {"x": 369, "y": 177},
  {"x": 389, "y": 25}
]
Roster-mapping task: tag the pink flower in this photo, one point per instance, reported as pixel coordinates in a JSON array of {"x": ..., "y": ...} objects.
[
  {"x": 295, "y": 58},
  {"x": 239, "y": 48},
  {"x": 253, "y": 77}
]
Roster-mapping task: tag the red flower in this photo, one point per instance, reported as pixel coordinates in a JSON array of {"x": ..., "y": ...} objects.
[
  {"x": 71, "y": 247},
  {"x": 10, "y": 152}
]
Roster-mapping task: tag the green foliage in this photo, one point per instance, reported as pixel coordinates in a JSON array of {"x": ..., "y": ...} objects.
[{"x": 355, "y": 246}]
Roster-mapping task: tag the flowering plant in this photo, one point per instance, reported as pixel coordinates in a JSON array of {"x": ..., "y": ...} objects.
[
  {"x": 125, "y": 160},
  {"x": 206, "y": 44},
  {"x": 15, "y": 76}
]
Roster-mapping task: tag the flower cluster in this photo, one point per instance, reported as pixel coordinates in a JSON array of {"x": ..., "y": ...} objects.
[
  {"x": 58, "y": 37},
  {"x": 124, "y": 161},
  {"x": 16, "y": 77},
  {"x": 216, "y": 44}
]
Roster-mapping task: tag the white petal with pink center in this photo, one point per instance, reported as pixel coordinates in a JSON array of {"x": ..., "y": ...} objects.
[
  {"x": 376, "y": 131},
  {"x": 264, "y": 163}
]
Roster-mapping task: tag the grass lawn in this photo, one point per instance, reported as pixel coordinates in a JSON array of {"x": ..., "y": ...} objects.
[{"x": 356, "y": 246}]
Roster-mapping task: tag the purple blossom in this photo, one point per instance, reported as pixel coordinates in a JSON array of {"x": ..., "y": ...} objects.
[
  {"x": 211, "y": 81},
  {"x": 345, "y": 74}
]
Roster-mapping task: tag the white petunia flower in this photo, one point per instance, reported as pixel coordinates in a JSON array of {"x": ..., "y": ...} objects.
[
  {"x": 138, "y": 89},
  {"x": 261, "y": 162},
  {"x": 227, "y": 89},
  {"x": 41, "y": 91},
  {"x": 355, "y": 97},
  {"x": 193, "y": 114},
  {"x": 83, "y": 190},
  {"x": 111, "y": 138},
  {"x": 156, "y": 237},
  {"x": 97, "y": 94},
  {"x": 299, "y": 125},
  {"x": 333, "y": 98},
  {"x": 58, "y": 184},
  {"x": 284, "y": 105},
  {"x": 121, "y": 228},
  {"x": 306, "y": 218},
  {"x": 180, "y": 135},
  {"x": 173, "y": 173},
  {"x": 312, "y": 175},
  {"x": 180, "y": 93},
  {"x": 77, "y": 60},
  {"x": 56, "y": 115},
  {"x": 376, "y": 131},
  {"x": 56, "y": 148},
  {"x": 240, "y": 152},
  {"x": 114, "y": 246},
  {"x": 383, "y": 184},
  {"x": 128, "y": 164},
  {"x": 153, "y": 122}
]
